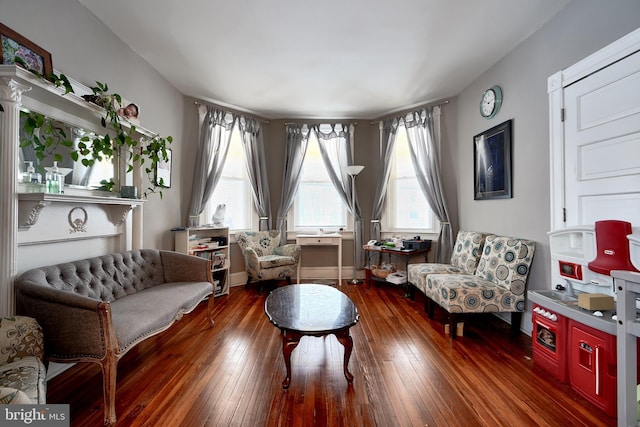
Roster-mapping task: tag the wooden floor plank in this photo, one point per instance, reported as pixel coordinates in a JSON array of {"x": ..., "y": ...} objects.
[{"x": 407, "y": 372}]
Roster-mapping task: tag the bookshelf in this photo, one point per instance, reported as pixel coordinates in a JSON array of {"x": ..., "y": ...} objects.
[{"x": 211, "y": 243}]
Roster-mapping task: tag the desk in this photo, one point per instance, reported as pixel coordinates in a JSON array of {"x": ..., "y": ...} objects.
[{"x": 321, "y": 240}]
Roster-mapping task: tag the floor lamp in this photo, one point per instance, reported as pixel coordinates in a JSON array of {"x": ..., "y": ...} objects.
[{"x": 353, "y": 171}]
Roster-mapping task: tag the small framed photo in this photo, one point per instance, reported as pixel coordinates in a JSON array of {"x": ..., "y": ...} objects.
[
  {"x": 30, "y": 55},
  {"x": 163, "y": 171},
  {"x": 492, "y": 163}
]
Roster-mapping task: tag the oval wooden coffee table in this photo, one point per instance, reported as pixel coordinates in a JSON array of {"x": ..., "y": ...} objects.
[{"x": 314, "y": 310}]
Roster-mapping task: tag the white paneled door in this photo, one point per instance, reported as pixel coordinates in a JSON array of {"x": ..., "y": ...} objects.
[{"x": 602, "y": 145}]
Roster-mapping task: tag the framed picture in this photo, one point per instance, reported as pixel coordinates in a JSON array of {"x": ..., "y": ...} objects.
[
  {"x": 31, "y": 56},
  {"x": 163, "y": 171},
  {"x": 492, "y": 163}
]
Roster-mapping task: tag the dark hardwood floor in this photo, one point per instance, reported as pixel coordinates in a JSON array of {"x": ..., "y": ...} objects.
[{"x": 407, "y": 373}]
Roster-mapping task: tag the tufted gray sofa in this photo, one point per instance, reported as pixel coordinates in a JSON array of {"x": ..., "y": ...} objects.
[{"x": 97, "y": 309}]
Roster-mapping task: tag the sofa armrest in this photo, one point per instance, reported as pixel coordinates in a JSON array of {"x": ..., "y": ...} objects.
[
  {"x": 75, "y": 327},
  {"x": 20, "y": 336},
  {"x": 179, "y": 267},
  {"x": 290, "y": 249}
]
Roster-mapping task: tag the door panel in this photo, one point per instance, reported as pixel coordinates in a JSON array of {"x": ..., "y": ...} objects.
[{"x": 602, "y": 145}]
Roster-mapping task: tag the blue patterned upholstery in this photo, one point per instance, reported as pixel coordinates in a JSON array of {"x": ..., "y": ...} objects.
[
  {"x": 464, "y": 260},
  {"x": 498, "y": 285},
  {"x": 264, "y": 258}
]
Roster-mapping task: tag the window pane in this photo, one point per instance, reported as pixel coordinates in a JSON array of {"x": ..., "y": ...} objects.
[
  {"x": 407, "y": 207},
  {"x": 233, "y": 190},
  {"x": 317, "y": 204}
]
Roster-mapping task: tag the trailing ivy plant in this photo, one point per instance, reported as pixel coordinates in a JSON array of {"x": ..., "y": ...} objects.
[
  {"x": 58, "y": 80},
  {"x": 47, "y": 139}
]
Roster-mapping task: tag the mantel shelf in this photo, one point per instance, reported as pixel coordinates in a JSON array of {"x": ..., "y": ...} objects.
[{"x": 32, "y": 204}]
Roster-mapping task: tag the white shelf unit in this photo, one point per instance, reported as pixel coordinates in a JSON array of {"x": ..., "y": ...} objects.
[
  {"x": 211, "y": 243},
  {"x": 628, "y": 288}
]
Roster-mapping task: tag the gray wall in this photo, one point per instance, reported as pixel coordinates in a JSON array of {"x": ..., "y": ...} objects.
[
  {"x": 85, "y": 50},
  {"x": 579, "y": 30}
]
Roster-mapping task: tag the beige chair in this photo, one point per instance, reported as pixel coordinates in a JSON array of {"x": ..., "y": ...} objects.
[
  {"x": 499, "y": 284},
  {"x": 464, "y": 260},
  {"x": 265, "y": 259}
]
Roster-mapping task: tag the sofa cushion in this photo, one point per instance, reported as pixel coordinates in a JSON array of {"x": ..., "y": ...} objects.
[
  {"x": 152, "y": 310},
  {"x": 417, "y": 274},
  {"x": 27, "y": 375}
]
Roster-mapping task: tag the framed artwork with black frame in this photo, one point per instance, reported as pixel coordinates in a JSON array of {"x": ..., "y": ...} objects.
[
  {"x": 28, "y": 54},
  {"x": 492, "y": 163},
  {"x": 163, "y": 171}
]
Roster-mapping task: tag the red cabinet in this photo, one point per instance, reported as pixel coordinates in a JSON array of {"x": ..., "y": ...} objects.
[{"x": 592, "y": 365}]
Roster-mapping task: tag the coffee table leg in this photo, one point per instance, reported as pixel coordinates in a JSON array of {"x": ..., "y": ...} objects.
[
  {"x": 345, "y": 339},
  {"x": 290, "y": 341}
]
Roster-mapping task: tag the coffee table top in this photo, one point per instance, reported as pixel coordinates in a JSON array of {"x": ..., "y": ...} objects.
[{"x": 310, "y": 309}]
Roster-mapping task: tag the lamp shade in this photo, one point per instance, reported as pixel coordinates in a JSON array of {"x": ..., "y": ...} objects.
[{"x": 354, "y": 170}]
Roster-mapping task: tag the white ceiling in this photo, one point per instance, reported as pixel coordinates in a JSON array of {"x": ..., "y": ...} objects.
[{"x": 322, "y": 58}]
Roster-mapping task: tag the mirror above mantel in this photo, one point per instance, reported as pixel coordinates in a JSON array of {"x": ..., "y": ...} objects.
[{"x": 65, "y": 138}]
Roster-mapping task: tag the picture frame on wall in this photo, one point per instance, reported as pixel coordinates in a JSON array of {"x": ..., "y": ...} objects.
[
  {"x": 163, "y": 171},
  {"x": 31, "y": 56},
  {"x": 492, "y": 163}
]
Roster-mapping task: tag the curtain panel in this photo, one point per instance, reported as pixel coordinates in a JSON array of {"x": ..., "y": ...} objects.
[
  {"x": 423, "y": 132},
  {"x": 295, "y": 150},
  {"x": 336, "y": 147},
  {"x": 213, "y": 145},
  {"x": 388, "y": 132},
  {"x": 253, "y": 145}
]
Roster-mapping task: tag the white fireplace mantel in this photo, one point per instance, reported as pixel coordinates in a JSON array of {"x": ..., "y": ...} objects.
[{"x": 43, "y": 228}]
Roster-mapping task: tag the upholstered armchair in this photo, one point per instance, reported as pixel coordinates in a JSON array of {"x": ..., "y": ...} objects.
[
  {"x": 498, "y": 285},
  {"x": 265, "y": 259},
  {"x": 22, "y": 372},
  {"x": 464, "y": 260}
]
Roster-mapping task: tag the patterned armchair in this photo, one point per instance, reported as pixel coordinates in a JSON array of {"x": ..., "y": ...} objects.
[
  {"x": 264, "y": 258},
  {"x": 22, "y": 373},
  {"x": 498, "y": 285},
  {"x": 464, "y": 260}
]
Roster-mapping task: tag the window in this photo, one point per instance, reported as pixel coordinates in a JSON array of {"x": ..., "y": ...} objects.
[
  {"x": 233, "y": 190},
  {"x": 317, "y": 204},
  {"x": 407, "y": 209}
]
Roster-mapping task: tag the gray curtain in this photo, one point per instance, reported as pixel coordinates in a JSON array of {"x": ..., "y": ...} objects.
[
  {"x": 336, "y": 147},
  {"x": 297, "y": 141},
  {"x": 253, "y": 145},
  {"x": 423, "y": 132},
  {"x": 388, "y": 132},
  {"x": 215, "y": 134}
]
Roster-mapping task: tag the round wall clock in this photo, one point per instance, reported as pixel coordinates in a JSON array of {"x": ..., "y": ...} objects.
[{"x": 491, "y": 102}]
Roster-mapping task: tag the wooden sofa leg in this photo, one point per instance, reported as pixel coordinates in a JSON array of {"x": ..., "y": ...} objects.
[
  {"x": 246, "y": 285},
  {"x": 109, "y": 375},
  {"x": 428, "y": 307},
  {"x": 210, "y": 310},
  {"x": 453, "y": 325},
  {"x": 516, "y": 320}
]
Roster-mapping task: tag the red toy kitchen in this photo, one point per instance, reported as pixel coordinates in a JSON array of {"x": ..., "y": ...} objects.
[{"x": 574, "y": 323}]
